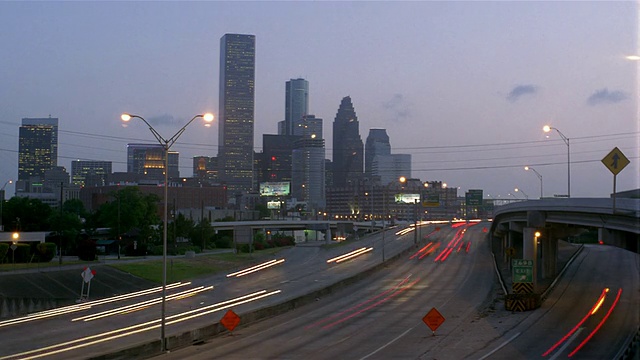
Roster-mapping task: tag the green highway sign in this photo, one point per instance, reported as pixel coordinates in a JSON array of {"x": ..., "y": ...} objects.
[
  {"x": 474, "y": 197},
  {"x": 522, "y": 271}
]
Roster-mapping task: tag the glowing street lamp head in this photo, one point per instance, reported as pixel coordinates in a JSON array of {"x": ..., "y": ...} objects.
[
  {"x": 125, "y": 117},
  {"x": 546, "y": 128},
  {"x": 208, "y": 117},
  {"x": 537, "y": 234},
  {"x": 15, "y": 236},
  {"x": 526, "y": 168},
  {"x": 402, "y": 179}
]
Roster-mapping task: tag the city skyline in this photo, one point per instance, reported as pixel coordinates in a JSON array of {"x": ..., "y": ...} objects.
[{"x": 466, "y": 96}]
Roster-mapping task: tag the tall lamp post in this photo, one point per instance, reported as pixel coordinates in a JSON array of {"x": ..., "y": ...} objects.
[
  {"x": 2, "y": 202},
  {"x": 548, "y": 128},
  {"x": 166, "y": 145},
  {"x": 523, "y": 193},
  {"x": 539, "y": 177}
]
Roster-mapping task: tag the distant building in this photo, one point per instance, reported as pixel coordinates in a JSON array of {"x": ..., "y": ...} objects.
[
  {"x": 179, "y": 196},
  {"x": 391, "y": 167},
  {"x": 148, "y": 160},
  {"x": 236, "y": 112},
  {"x": 205, "y": 168},
  {"x": 347, "y": 145},
  {"x": 377, "y": 144},
  {"x": 308, "y": 160},
  {"x": 90, "y": 173},
  {"x": 296, "y": 105},
  {"x": 276, "y": 153},
  {"x": 37, "y": 147}
]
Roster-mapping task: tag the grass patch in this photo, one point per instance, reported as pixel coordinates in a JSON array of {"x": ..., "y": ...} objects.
[{"x": 183, "y": 269}]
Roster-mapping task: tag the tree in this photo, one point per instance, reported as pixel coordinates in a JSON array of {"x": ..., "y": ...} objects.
[
  {"x": 202, "y": 234},
  {"x": 25, "y": 214},
  {"x": 130, "y": 209}
]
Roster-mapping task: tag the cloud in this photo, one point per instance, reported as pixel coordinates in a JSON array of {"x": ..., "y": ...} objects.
[
  {"x": 162, "y": 120},
  {"x": 521, "y": 90},
  {"x": 605, "y": 97},
  {"x": 398, "y": 107}
]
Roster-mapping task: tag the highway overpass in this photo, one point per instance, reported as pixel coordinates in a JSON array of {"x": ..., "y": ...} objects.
[{"x": 531, "y": 229}]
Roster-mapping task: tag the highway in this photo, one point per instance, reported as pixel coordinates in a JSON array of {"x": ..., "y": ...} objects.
[
  {"x": 381, "y": 316},
  {"x": 378, "y": 317},
  {"x": 95, "y": 328},
  {"x": 595, "y": 303}
]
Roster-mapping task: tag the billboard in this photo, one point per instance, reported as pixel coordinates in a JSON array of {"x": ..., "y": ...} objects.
[
  {"x": 407, "y": 198},
  {"x": 275, "y": 188},
  {"x": 273, "y": 205}
]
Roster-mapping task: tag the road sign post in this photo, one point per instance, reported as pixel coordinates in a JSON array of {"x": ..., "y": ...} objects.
[
  {"x": 433, "y": 320},
  {"x": 615, "y": 161},
  {"x": 522, "y": 271},
  {"x": 230, "y": 320}
]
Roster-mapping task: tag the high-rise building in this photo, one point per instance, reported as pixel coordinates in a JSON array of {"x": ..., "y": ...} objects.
[
  {"x": 308, "y": 165},
  {"x": 236, "y": 113},
  {"x": 296, "y": 105},
  {"x": 276, "y": 150},
  {"x": 38, "y": 147},
  {"x": 90, "y": 173},
  {"x": 148, "y": 160},
  {"x": 205, "y": 168},
  {"x": 391, "y": 167},
  {"x": 347, "y": 145},
  {"x": 377, "y": 144}
]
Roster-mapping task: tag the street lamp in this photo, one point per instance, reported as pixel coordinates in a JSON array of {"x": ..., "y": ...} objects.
[
  {"x": 2, "y": 202},
  {"x": 523, "y": 193},
  {"x": 548, "y": 128},
  {"x": 166, "y": 145},
  {"x": 539, "y": 177}
]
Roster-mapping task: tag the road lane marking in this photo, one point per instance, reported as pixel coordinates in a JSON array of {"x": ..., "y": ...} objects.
[
  {"x": 387, "y": 344},
  {"x": 566, "y": 345},
  {"x": 501, "y": 346}
]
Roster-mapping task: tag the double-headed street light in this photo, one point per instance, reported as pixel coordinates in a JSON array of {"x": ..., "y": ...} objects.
[
  {"x": 548, "y": 128},
  {"x": 166, "y": 145},
  {"x": 539, "y": 177}
]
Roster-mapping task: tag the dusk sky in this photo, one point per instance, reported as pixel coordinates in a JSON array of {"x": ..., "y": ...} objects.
[{"x": 465, "y": 87}]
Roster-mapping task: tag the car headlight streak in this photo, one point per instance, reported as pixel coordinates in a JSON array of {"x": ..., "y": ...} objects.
[
  {"x": 350, "y": 255},
  {"x": 86, "y": 305},
  {"x": 255, "y": 268},
  {"x": 86, "y": 341}
]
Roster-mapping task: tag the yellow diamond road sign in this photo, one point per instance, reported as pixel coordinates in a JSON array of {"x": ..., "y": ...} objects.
[{"x": 615, "y": 161}]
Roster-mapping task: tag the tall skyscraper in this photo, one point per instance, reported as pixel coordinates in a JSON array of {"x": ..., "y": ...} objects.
[
  {"x": 236, "y": 113},
  {"x": 308, "y": 164},
  {"x": 296, "y": 105},
  {"x": 38, "y": 147},
  {"x": 377, "y": 144},
  {"x": 347, "y": 145},
  {"x": 148, "y": 160},
  {"x": 90, "y": 173}
]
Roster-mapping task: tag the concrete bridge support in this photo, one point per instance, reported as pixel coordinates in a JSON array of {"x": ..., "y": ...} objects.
[{"x": 549, "y": 253}]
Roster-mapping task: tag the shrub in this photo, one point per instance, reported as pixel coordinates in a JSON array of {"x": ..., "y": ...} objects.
[
  {"x": 4, "y": 249},
  {"x": 224, "y": 242},
  {"x": 46, "y": 251},
  {"x": 22, "y": 253}
]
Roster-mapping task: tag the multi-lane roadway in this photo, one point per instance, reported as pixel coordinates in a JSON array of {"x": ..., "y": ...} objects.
[{"x": 591, "y": 312}]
